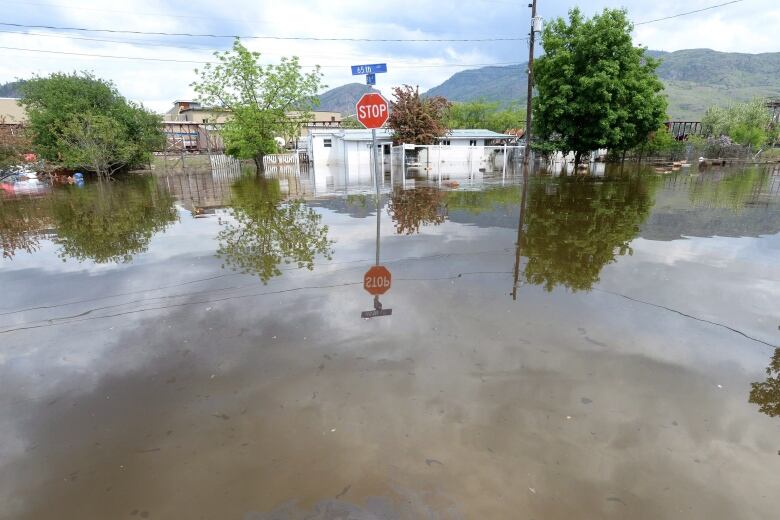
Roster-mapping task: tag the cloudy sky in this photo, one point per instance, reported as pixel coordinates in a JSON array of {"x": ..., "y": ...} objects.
[{"x": 745, "y": 26}]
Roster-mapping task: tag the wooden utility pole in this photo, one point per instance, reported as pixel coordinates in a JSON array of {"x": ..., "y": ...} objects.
[{"x": 531, "y": 39}]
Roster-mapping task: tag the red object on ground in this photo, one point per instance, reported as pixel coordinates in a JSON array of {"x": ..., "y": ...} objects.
[
  {"x": 30, "y": 157},
  {"x": 377, "y": 280},
  {"x": 372, "y": 110}
]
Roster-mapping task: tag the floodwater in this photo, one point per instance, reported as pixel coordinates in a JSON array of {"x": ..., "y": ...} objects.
[{"x": 192, "y": 346}]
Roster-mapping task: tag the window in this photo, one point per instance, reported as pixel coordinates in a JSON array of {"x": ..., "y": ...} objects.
[
  {"x": 445, "y": 142},
  {"x": 205, "y": 120},
  {"x": 327, "y": 143},
  {"x": 473, "y": 142}
]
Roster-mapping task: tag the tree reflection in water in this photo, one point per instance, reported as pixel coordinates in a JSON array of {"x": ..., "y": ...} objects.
[
  {"x": 417, "y": 207},
  {"x": 574, "y": 226},
  {"x": 22, "y": 221},
  {"x": 103, "y": 222},
  {"x": 110, "y": 221},
  {"x": 766, "y": 394},
  {"x": 267, "y": 231}
]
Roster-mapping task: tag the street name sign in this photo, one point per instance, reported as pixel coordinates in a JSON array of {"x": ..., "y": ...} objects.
[{"x": 376, "y": 68}]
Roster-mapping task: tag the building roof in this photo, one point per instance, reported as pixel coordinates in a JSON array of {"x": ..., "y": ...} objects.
[
  {"x": 476, "y": 133},
  {"x": 350, "y": 134},
  {"x": 11, "y": 112}
]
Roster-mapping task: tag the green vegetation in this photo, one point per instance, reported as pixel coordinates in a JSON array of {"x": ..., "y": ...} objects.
[
  {"x": 417, "y": 120},
  {"x": 110, "y": 222},
  {"x": 104, "y": 222},
  {"x": 735, "y": 191},
  {"x": 766, "y": 394},
  {"x": 485, "y": 114},
  {"x": 660, "y": 142},
  {"x": 268, "y": 231},
  {"x": 81, "y": 122},
  {"x": 259, "y": 98},
  {"x": 694, "y": 80},
  {"x": 576, "y": 226},
  {"x": 748, "y": 124},
  {"x": 596, "y": 90}
]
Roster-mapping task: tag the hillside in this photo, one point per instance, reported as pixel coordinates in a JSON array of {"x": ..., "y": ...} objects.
[
  {"x": 506, "y": 84},
  {"x": 342, "y": 99},
  {"x": 694, "y": 79},
  {"x": 11, "y": 89}
]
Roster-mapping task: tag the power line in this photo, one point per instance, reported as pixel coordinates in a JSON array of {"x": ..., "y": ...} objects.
[
  {"x": 136, "y": 13},
  {"x": 261, "y": 37},
  {"x": 171, "y": 60},
  {"x": 688, "y": 12}
]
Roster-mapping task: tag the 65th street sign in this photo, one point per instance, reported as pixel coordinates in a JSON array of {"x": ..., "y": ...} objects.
[
  {"x": 376, "y": 68},
  {"x": 372, "y": 110}
]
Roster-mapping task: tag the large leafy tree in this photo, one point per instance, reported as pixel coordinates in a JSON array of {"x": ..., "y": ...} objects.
[
  {"x": 417, "y": 120},
  {"x": 267, "y": 231},
  {"x": 574, "y": 227},
  {"x": 265, "y": 101},
  {"x": 595, "y": 89},
  {"x": 74, "y": 119}
]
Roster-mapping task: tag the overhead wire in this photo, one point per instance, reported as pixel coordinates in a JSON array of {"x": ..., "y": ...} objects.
[
  {"x": 678, "y": 15},
  {"x": 264, "y": 37}
]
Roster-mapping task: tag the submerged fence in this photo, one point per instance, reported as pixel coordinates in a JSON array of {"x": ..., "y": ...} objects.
[{"x": 443, "y": 161}]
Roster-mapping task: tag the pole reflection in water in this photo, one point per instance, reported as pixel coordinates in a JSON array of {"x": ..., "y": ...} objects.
[
  {"x": 520, "y": 224},
  {"x": 377, "y": 279}
]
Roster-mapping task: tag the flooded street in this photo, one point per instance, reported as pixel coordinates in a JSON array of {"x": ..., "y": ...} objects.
[{"x": 192, "y": 346}]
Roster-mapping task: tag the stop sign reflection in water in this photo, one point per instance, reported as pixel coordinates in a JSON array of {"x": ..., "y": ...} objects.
[{"x": 377, "y": 280}]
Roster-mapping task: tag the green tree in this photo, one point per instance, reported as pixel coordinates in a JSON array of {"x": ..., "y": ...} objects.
[
  {"x": 766, "y": 394},
  {"x": 21, "y": 221},
  {"x": 110, "y": 222},
  {"x": 485, "y": 114},
  {"x": 576, "y": 226},
  {"x": 417, "y": 120},
  {"x": 68, "y": 112},
  {"x": 745, "y": 123},
  {"x": 595, "y": 89},
  {"x": 267, "y": 231},
  {"x": 259, "y": 98}
]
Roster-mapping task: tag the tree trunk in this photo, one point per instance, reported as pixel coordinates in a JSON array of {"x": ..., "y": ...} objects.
[
  {"x": 577, "y": 156},
  {"x": 259, "y": 162},
  {"x": 623, "y": 158}
]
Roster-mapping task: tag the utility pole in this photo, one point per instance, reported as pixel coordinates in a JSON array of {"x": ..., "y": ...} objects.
[{"x": 532, "y": 35}]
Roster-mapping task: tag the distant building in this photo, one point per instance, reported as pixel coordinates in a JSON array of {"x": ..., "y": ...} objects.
[
  {"x": 332, "y": 146},
  {"x": 194, "y": 112}
]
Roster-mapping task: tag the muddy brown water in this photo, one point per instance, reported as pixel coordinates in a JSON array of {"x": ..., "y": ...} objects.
[{"x": 192, "y": 346}]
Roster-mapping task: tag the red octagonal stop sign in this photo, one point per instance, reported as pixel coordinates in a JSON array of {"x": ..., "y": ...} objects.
[
  {"x": 377, "y": 280},
  {"x": 372, "y": 110}
]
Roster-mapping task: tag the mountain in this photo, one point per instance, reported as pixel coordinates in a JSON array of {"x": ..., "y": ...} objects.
[
  {"x": 343, "y": 99},
  {"x": 694, "y": 78},
  {"x": 11, "y": 89},
  {"x": 506, "y": 84}
]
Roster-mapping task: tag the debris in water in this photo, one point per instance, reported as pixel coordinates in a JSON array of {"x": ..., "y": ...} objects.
[{"x": 532, "y": 490}]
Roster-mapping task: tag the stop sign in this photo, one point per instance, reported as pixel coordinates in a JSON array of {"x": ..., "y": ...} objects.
[
  {"x": 377, "y": 280},
  {"x": 372, "y": 110}
]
